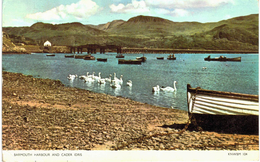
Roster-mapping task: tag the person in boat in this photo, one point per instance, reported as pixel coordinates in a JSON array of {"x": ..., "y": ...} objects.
[{"x": 209, "y": 56}]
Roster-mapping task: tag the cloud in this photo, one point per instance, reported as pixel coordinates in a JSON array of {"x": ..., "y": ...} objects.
[
  {"x": 187, "y": 3},
  {"x": 79, "y": 10},
  {"x": 134, "y": 7},
  {"x": 176, "y": 8}
]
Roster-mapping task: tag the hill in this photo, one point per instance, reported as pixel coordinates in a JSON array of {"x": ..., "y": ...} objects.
[{"x": 240, "y": 33}]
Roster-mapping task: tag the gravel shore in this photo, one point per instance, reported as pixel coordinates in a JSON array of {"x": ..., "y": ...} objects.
[{"x": 43, "y": 114}]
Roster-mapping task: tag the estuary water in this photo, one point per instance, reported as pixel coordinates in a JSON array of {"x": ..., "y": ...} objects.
[{"x": 240, "y": 77}]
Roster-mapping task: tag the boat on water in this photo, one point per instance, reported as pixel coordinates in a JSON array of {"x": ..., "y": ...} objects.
[
  {"x": 171, "y": 57},
  {"x": 160, "y": 58},
  {"x": 50, "y": 55},
  {"x": 222, "y": 58},
  {"x": 120, "y": 56},
  {"x": 102, "y": 59},
  {"x": 80, "y": 56},
  {"x": 69, "y": 56},
  {"x": 134, "y": 62},
  {"x": 143, "y": 59},
  {"x": 89, "y": 57},
  {"x": 218, "y": 110}
]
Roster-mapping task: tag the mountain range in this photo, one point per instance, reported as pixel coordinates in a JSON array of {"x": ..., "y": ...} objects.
[{"x": 240, "y": 33}]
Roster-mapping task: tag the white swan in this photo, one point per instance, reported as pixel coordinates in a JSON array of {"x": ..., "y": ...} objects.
[
  {"x": 97, "y": 77},
  {"x": 129, "y": 83},
  {"x": 170, "y": 89},
  {"x": 120, "y": 81},
  {"x": 115, "y": 78},
  {"x": 115, "y": 84},
  {"x": 71, "y": 77},
  {"x": 156, "y": 89},
  {"x": 108, "y": 79},
  {"x": 101, "y": 81}
]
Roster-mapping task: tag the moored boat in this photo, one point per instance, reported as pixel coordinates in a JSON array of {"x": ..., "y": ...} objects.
[
  {"x": 89, "y": 57},
  {"x": 171, "y": 57},
  {"x": 69, "y": 56},
  {"x": 219, "y": 111},
  {"x": 135, "y": 62},
  {"x": 160, "y": 58},
  {"x": 80, "y": 56},
  {"x": 222, "y": 58},
  {"x": 50, "y": 55},
  {"x": 120, "y": 56},
  {"x": 102, "y": 59}
]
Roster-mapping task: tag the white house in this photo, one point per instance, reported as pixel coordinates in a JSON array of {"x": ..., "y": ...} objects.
[{"x": 47, "y": 43}]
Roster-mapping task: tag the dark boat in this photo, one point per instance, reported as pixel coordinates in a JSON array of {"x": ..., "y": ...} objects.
[
  {"x": 135, "y": 62},
  {"x": 219, "y": 111},
  {"x": 89, "y": 57},
  {"x": 69, "y": 56},
  {"x": 171, "y": 57},
  {"x": 102, "y": 59},
  {"x": 120, "y": 56},
  {"x": 80, "y": 56},
  {"x": 50, "y": 55},
  {"x": 222, "y": 58},
  {"x": 160, "y": 58}
]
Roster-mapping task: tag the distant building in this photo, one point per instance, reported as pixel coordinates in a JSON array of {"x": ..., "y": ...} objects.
[{"x": 47, "y": 43}]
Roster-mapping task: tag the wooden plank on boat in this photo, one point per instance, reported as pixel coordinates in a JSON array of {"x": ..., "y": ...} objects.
[
  {"x": 223, "y": 111},
  {"x": 221, "y": 103}
]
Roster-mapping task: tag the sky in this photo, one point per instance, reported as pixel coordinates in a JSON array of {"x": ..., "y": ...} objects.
[{"x": 28, "y": 12}]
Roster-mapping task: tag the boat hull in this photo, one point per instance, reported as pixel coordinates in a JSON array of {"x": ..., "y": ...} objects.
[
  {"x": 171, "y": 58},
  {"x": 219, "y": 111},
  {"x": 160, "y": 58},
  {"x": 89, "y": 58},
  {"x": 238, "y": 59},
  {"x": 102, "y": 59},
  {"x": 80, "y": 56},
  {"x": 134, "y": 62},
  {"x": 50, "y": 55},
  {"x": 69, "y": 56}
]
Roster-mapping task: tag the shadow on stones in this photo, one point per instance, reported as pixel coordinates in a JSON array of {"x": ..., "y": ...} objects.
[{"x": 247, "y": 125}]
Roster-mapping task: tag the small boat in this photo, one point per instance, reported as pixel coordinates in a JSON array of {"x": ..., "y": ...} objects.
[
  {"x": 50, "y": 55},
  {"x": 135, "y": 62},
  {"x": 120, "y": 56},
  {"x": 160, "y": 58},
  {"x": 223, "y": 110},
  {"x": 80, "y": 56},
  {"x": 69, "y": 56},
  {"x": 89, "y": 57},
  {"x": 102, "y": 59},
  {"x": 171, "y": 57},
  {"x": 143, "y": 59},
  {"x": 222, "y": 58}
]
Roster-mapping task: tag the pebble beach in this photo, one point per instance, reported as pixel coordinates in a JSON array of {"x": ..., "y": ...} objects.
[{"x": 43, "y": 114}]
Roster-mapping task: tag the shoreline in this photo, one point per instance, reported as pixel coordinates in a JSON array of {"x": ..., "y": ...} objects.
[
  {"x": 156, "y": 51},
  {"x": 43, "y": 114}
]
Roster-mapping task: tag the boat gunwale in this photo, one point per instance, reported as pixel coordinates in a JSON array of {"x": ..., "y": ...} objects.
[{"x": 233, "y": 95}]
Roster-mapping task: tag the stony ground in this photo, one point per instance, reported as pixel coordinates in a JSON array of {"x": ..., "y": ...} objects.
[{"x": 43, "y": 114}]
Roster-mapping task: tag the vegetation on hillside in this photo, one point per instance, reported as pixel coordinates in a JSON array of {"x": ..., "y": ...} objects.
[{"x": 240, "y": 33}]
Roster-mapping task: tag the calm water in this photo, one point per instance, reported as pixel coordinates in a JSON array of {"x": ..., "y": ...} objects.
[{"x": 241, "y": 77}]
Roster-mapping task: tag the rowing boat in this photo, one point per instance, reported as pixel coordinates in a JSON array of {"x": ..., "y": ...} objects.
[
  {"x": 222, "y": 58},
  {"x": 218, "y": 110}
]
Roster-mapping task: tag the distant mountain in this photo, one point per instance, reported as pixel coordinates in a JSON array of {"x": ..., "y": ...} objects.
[
  {"x": 109, "y": 25},
  {"x": 147, "y": 31}
]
